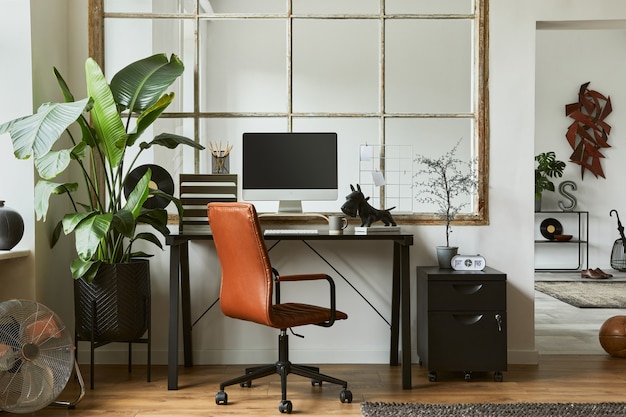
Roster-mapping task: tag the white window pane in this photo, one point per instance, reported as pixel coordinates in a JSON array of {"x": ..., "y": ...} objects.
[
  {"x": 243, "y": 6},
  {"x": 336, "y": 6},
  {"x": 152, "y": 37},
  {"x": 428, "y": 67},
  {"x": 335, "y": 65},
  {"x": 432, "y": 138},
  {"x": 351, "y": 133},
  {"x": 231, "y": 130},
  {"x": 429, "y": 6},
  {"x": 243, "y": 66},
  {"x": 149, "y": 6}
]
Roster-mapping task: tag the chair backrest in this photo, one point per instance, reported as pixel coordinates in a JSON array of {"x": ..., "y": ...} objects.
[
  {"x": 247, "y": 286},
  {"x": 197, "y": 190}
]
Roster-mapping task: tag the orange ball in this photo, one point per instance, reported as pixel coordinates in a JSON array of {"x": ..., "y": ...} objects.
[{"x": 613, "y": 336}]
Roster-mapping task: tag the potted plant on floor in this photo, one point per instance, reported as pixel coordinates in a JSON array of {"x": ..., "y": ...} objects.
[
  {"x": 443, "y": 182},
  {"x": 547, "y": 167},
  {"x": 104, "y": 220}
]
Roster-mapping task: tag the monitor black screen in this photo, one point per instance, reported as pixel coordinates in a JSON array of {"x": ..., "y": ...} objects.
[{"x": 289, "y": 167}]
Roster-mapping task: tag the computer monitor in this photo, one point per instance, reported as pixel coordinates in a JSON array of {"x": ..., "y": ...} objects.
[{"x": 289, "y": 168}]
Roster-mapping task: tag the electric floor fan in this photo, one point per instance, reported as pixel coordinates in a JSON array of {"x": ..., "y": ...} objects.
[{"x": 37, "y": 357}]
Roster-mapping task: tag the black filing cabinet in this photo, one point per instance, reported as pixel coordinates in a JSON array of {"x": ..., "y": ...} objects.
[{"x": 461, "y": 321}]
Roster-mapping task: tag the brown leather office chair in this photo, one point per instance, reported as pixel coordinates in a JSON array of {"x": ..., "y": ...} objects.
[{"x": 248, "y": 284}]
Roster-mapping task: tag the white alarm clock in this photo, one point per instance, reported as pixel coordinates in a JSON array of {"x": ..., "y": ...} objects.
[{"x": 468, "y": 263}]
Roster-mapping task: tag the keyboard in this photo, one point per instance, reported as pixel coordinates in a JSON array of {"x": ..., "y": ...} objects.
[{"x": 290, "y": 232}]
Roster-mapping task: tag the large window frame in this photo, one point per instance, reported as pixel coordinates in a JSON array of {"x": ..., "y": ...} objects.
[{"x": 478, "y": 115}]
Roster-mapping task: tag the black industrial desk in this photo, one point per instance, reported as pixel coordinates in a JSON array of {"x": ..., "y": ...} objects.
[{"x": 180, "y": 292}]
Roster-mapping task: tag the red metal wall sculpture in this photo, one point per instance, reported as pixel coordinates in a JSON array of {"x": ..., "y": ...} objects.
[{"x": 589, "y": 133}]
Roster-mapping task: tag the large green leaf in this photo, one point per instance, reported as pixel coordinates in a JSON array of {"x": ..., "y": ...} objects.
[
  {"x": 171, "y": 141},
  {"x": 150, "y": 237},
  {"x": 124, "y": 223},
  {"x": 65, "y": 89},
  {"x": 84, "y": 269},
  {"x": 53, "y": 163},
  {"x": 89, "y": 234},
  {"x": 104, "y": 116},
  {"x": 149, "y": 116},
  {"x": 35, "y": 135},
  {"x": 156, "y": 218},
  {"x": 44, "y": 189},
  {"x": 139, "y": 195},
  {"x": 72, "y": 220},
  {"x": 140, "y": 84}
]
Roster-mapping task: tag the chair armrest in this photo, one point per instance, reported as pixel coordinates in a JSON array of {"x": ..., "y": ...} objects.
[{"x": 309, "y": 277}]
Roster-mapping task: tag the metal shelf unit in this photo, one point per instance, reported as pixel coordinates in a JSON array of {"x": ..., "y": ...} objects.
[{"x": 580, "y": 241}]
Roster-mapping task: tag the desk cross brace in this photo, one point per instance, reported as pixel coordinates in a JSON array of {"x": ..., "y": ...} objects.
[{"x": 346, "y": 280}]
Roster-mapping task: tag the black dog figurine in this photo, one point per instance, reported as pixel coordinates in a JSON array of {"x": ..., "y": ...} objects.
[{"x": 357, "y": 204}]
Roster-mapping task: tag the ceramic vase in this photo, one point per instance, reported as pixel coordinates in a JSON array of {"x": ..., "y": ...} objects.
[
  {"x": 445, "y": 255},
  {"x": 11, "y": 227}
]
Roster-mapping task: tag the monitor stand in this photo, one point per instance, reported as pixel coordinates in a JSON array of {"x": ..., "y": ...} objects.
[{"x": 289, "y": 206}]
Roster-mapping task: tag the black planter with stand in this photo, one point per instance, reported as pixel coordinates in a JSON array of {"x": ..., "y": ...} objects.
[{"x": 115, "y": 307}]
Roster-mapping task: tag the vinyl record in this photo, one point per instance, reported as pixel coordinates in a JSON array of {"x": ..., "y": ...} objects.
[
  {"x": 550, "y": 227},
  {"x": 161, "y": 180}
]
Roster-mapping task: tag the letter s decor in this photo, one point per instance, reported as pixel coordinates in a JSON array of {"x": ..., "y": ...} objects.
[{"x": 567, "y": 195}]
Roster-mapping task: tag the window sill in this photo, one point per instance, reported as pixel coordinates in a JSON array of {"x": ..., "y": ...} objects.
[{"x": 14, "y": 253}]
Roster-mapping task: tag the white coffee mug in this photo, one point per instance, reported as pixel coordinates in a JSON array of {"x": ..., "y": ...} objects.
[{"x": 336, "y": 224}]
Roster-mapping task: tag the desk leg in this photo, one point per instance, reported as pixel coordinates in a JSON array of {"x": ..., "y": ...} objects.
[
  {"x": 172, "y": 344},
  {"x": 395, "y": 306},
  {"x": 185, "y": 303},
  {"x": 405, "y": 293}
]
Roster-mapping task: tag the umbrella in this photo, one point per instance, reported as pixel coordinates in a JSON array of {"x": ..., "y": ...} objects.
[{"x": 620, "y": 228}]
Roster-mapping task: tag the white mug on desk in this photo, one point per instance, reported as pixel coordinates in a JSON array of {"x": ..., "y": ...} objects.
[{"x": 336, "y": 224}]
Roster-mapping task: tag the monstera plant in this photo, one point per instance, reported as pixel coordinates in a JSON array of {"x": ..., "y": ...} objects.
[{"x": 104, "y": 130}]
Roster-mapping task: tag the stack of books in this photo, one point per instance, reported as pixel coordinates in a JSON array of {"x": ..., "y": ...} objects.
[{"x": 376, "y": 229}]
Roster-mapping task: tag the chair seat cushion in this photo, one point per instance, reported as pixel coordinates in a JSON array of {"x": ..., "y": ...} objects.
[{"x": 295, "y": 314}]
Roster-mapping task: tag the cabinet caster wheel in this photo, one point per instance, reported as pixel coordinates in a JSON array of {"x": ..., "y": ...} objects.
[
  {"x": 468, "y": 376},
  {"x": 432, "y": 376},
  {"x": 345, "y": 396},
  {"x": 221, "y": 398},
  {"x": 316, "y": 382},
  {"x": 497, "y": 376},
  {"x": 285, "y": 406}
]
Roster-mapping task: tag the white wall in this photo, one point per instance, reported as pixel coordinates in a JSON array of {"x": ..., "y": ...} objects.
[
  {"x": 16, "y": 177},
  {"x": 567, "y": 58},
  {"x": 506, "y": 243},
  {"x": 62, "y": 23}
]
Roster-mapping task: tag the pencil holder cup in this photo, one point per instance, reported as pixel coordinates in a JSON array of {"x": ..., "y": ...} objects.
[{"x": 221, "y": 164}]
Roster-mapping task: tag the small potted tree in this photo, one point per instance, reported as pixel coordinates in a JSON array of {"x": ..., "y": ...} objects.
[
  {"x": 547, "y": 167},
  {"x": 443, "y": 182},
  {"x": 104, "y": 131}
]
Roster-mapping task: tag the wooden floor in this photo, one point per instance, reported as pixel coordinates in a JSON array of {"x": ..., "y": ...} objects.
[{"x": 557, "y": 378}]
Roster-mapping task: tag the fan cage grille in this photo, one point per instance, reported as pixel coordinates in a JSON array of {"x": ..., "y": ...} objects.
[{"x": 36, "y": 356}]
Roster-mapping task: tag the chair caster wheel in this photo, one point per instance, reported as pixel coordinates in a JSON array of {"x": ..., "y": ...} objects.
[
  {"x": 345, "y": 396},
  {"x": 316, "y": 382},
  {"x": 285, "y": 406},
  {"x": 497, "y": 376},
  {"x": 246, "y": 384},
  {"x": 468, "y": 376},
  {"x": 221, "y": 398}
]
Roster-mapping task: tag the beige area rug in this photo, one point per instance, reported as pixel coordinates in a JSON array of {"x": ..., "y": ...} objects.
[
  {"x": 377, "y": 409},
  {"x": 586, "y": 294}
]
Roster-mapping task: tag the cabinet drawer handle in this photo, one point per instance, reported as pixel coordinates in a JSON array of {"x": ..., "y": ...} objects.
[
  {"x": 467, "y": 318},
  {"x": 467, "y": 288}
]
